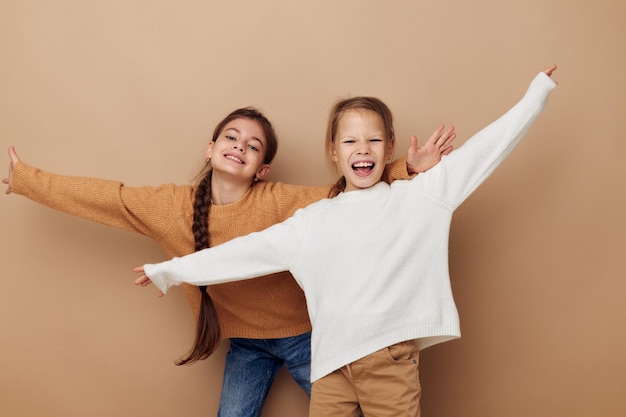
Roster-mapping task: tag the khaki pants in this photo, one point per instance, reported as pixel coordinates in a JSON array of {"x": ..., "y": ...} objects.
[{"x": 382, "y": 384}]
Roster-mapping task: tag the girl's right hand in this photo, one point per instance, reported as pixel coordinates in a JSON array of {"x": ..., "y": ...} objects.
[{"x": 14, "y": 160}]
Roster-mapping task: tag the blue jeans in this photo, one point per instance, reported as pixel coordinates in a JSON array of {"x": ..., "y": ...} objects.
[{"x": 252, "y": 364}]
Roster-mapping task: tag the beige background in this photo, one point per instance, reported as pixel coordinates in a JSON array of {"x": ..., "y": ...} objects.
[{"x": 131, "y": 90}]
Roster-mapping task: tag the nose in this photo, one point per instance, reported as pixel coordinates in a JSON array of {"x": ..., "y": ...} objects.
[
  {"x": 239, "y": 146},
  {"x": 364, "y": 148}
]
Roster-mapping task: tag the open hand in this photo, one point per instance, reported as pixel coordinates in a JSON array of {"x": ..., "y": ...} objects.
[{"x": 420, "y": 159}]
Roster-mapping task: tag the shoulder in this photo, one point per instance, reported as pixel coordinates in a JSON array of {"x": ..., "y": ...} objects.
[
  {"x": 283, "y": 189},
  {"x": 286, "y": 198}
]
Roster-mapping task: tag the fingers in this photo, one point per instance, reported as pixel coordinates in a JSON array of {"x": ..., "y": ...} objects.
[
  {"x": 548, "y": 71},
  {"x": 447, "y": 137},
  {"x": 143, "y": 280},
  {"x": 6, "y": 181},
  {"x": 13, "y": 155},
  {"x": 436, "y": 135},
  {"x": 443, "y": 138},
  {"x": 14, "y": 160}
]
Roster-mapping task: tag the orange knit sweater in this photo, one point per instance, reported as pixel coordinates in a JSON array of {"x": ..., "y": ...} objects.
[{"x": 269, "y": 307}]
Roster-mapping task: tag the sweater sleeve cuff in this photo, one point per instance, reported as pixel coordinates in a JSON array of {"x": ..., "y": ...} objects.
[
  {"x": 543, "y": 83},
  {"x": 153, "y": 272},
  {"x": 23, "y": 174}
]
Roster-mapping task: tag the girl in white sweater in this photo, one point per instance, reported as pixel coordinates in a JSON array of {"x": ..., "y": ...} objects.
[{"x": 372, "y": 261}]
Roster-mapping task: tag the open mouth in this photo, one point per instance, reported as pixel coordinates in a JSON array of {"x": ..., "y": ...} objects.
[{"x": 363, "y": 168}]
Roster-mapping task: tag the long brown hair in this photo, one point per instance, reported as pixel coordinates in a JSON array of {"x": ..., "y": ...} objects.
[
  {"x": 354, "y": 103},
  {"x": 207, "y": 327}
]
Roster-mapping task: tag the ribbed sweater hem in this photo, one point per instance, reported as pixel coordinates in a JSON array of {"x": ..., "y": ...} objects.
[
  {"x": 425, "y": 335},
  {"x": 230, "y": 332}
]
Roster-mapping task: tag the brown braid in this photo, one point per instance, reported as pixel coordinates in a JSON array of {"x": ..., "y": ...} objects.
[{"x": 207, "y": 327}]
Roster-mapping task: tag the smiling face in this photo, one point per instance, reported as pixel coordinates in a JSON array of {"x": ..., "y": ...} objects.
[
  {"x": 361, "y": 148},
  {"x": 239, "y": 150}
]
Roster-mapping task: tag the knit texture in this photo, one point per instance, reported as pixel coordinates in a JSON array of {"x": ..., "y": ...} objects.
[
  {"x": 269, "y": 307},
  {"x": 373, "y": 263}
]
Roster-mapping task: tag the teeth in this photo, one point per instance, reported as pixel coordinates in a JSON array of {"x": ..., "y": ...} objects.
[
  {"x": 363, "y": 164},
  {"x": 234, "y": 158}
]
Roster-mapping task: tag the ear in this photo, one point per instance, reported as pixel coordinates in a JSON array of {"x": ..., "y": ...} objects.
[
  {"x": 333, "y": 155},
  {"x": 262, "y": 172},
  {"x": 209, "y": 150},
  {"x": 391, "y": 147}
]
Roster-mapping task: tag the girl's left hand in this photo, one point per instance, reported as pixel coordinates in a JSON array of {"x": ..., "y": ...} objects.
[
  {"x": 144, "y": 280},
  {"x": 420, "y": 159}
]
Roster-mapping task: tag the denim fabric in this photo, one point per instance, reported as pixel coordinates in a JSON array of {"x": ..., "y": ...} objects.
[{"x": 252, "y": 364}]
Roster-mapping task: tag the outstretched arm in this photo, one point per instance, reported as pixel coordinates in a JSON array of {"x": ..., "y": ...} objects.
[
  {"x": 151, "y": 211},
  {"x": 261, "y": 253},
  {"x": 421, "y": 159},
  {"x": 13, "y": 161},
  {"x": 466, "y": 168}
]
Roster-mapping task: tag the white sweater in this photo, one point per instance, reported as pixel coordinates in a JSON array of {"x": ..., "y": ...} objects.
[{"x": 373, "y": 263}]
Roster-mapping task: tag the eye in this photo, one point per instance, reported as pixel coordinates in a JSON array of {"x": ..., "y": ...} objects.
[
  {"x": 253, "y": 148},
  {"x": 228, "y": 137},
  {"x": 348, "y": 141},
  {"x": 376, "y": 140}
]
